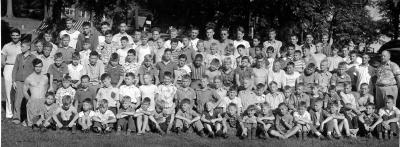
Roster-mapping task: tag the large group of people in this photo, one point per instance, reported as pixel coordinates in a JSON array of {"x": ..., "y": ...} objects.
[{"x": 104, "y": 82}]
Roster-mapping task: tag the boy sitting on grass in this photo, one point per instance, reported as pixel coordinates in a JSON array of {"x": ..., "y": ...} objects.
[
  {"x": 390, "y": 117},
  {"x": 265, "y": 120},
  {"x": 143, "y": 116},
  {"x": 65, "y": 116},
  {"x": 186, "y": 118},
  {"x": 211, "y": 120},
  {"x": 125, "y": 116},
  {"x": 85, "y": 116},
  {"x": 160, "y": 120},
  {"x": 43, "y": 118},
  {"x": 104, "y": 119},
  {"x": 369, "y": 120}
]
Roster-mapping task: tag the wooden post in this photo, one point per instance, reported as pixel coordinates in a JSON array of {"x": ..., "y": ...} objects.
[{"x": 136, "y": 17}]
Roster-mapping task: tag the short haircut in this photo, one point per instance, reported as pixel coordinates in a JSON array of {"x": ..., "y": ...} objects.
[
  {"x": 306, "y": 46},
  {"x": 282, "y": 104},
  {"x": 168, "y": 74},
  {"x": 182, "y": 56},
  {"x": 215, "y": 62},
  {"x": 132, "y": 51},
  {"x": 233, "y": 88},
  {"x": 174, "y": 40},
  {"x": 65, "y": 36},
  {"x": 240, "y": 29},
  {"x": 332, "y": 87},
  {"x": 85, "y": 77},
  {"x": 199, "y": 56},
  {"x": 303, "y": 104},
  {"x": 353, "y": 52},
  {"x": 205, "y": 77},
  {"x": 232, "y": 105},
  {"x": 49, "y": 94},
  {"x": 363, "y": 84},
  {"x": 87, "y": 40},
  {"x": 389, "y": 97},
  {"x": 108, "y": 32},
  {"x": 66, "y": 78},
  {"x": 58, "y": 55},
  {"x": 342, "y": 64},
  {"x": 297, "y": 52},
  {"x": 85, "y": 24},
  {"x": 36, "y": 61},
  {"x": 156, "y": 29},
  {"x": 15, "y": 31},
  {"x": 185, "y": 101},
  {"x": 126, "y": 99},
  {"x": 260, "y": 86},
  {"x": 290, "y": 64},
  {"x": 47, "y": 44},
  {"x": 291, "y": 45},
  {"x": 88, "y": 100},
  {"x": 270, "y": 48},
  {"x": 311, "y": 65},
  {"x": 265, "y": 105},
  {"x": 273, "y": 83},
  {"x": 130, "y": 74},
  {"x": 114, "y": 57},
  {"x": 76, "y": 56},
  {"x": 240, "y": 46},
  {"x": 287, "y": 88},
  {"x": 66, "y": 99},
  {"x": 301, "y": 84},
  {"x": 167, "y": 50},
  {"x": 371, "y": 105},
  {"x": 246, "y": 58},
  {"x": 94, "y": 53},
  {"x": 69, "y": 19},
  {"x": 105, "y": 76},
  {"x": 251, "y": 108},
  {"x": 124, "y": 38},
  {"x": 105, "y": 23},
  {"x": 186, "y": 77}
]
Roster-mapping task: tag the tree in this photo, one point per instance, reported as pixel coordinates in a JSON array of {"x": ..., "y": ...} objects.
[
  {"x": 391, "y": 12},
  {"x": 9, "y": 9}
]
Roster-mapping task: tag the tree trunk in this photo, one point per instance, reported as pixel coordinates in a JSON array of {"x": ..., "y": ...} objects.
[
  {"x": 9, "y": 9},
  {"x": 46, "y": 10}
]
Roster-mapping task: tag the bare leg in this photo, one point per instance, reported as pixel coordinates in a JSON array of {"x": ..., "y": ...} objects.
[
  {"x": 145, "y": 123},
  {"x": 139, "y": 124},
  {"x": 293, "y": 131},
  {"x": 209, "y": 129},
  {"x": 277, "y": 134}
]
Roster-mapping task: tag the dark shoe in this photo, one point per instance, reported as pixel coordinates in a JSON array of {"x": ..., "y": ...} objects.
[
  {"x": 201, "y": 133},
  {"x": 369, "y": 135},
  {"x": 16, "y": 121},
  {"x": 225, "y": 136},
  {"x": 329, "y": 137},
  {"x": 178, "y": 130},
  {"x": 218, "y": 133},
  {"x": 73, "y": 130},
  {"x": 253, "y": 133},
  {"x": 211, "y": 135}
]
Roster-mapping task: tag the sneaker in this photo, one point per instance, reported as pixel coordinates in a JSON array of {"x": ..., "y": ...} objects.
[
  {"x": 218, "y": 133},
  {"x": 211, "y": 135},
  {"x": 369, "y": 135},
  {"x": 225, "y": 136},
  {"x": 329, "y": 137},
  {"x": 16, "y": 121},
  {"x": 178, "y": 130},
  {"x": 128, "y": 133}
]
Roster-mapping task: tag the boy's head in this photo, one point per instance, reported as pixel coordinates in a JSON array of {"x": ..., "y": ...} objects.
[
  {"x": 93, "y": 57},
  {"x": 370, "y": 108},
  {"x": 131, "y": 56},
  {"x": 65, "y": 40},
  {"x": 66, "y": 81},
  {"x": 167, "y": 77},
  {"x": 347, "y": 87},
  {"x": 25, "y": 46},
  {"x": 245, "y": 62},
  {"x": 310, "y": 69},
  {"x": 260, "y": 61},
  {"x": 364, "y": 88},
  {"x": 315, "y": 89},
  {"x": 144, "y": 38},
  {"x": 66, "y": 101},
  {"x": 232, "y": 93},
  {"x": 251, "y": 110},
  {"x": 210, "y": 32},
  {"x": 276, "y": 66},
  {"x": 273, "y": 87},
  {"x": 159, "y": 107},
  {"x": 214, "y": 65},
  {"x": 200, "y": 46},
  {"x": 227, "y": 63},
  {"x": 229, "y": 49},
  {"x": 297, "y": 55},
  {"x": 86, "y": 44},
  {"x": 260, "y": 89},
  {"x": 124, "y": 41},
  {"x": 318, "y": 104},
  {"x": 58, "y": 59},
  {"x": 147, "y": 79},
  {"x": 198, "y": 60},
  {"x": 185, "y": 105},
  {"x": 290, "y": 68},
  {"x": 287, "y": 91},
  {"x": 37, "y": 65},
  {"x": 87, "y": 104},
  {"x": 147, "y": 60},
  {"x": 47, "y": 48},
  {"x": 283, "y": 109},
  {"x": 217, "y": 81},
  {"x": 270, "y": 51},
  {"x": 186, "y": 80},
  {"x": 214, "y": 48},
  {"x": 365, "y": 59},
  {"x": 240, "y": 33},
  {"x": 299, "y": 88},
  {"x": 306, "y": 50},
  {"x": 353, "y": 56},
  {"x": 126, "y": 102},
  {"x": 129, "y": 78},
  {"x": 50, "y": 98},
  {"x": 324, "y": 65},
  {"x": 302, "y": 107},
  {"x": 334, "y": 107},
  {"x": 248, "y": 83},
  {"x": 241, "y": 48},
  {"x": 291, "y": 49},
  {"x": 209, "y": 106},
  {"x": 182, "y": 60},
  {"x": 76, "y": 58},
  {"x": 114, "y": 59},
  {"x": 256, "y": 40},
  {"x": 265, "y": 107},
  {"x": 174, "y": 43},
  {"x": 103, "y": 106},
  {"x": 106, "y": 79},
  {"x": 108, "y": 36},
  {"x": 204, "y": 81},
  {"x": 145, "y": 103},
  {"x": 185, "y": 40},
  {"x": 167, "y": 55},
  {"x": 271, "y": 34},
  {"x": 389, "y": 101},
  {"x": 85, "y": 81},
  {"x": 232, "y": 109}
]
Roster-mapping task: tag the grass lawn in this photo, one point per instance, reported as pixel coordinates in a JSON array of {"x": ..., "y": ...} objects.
[{"x": 17, "y": 135}]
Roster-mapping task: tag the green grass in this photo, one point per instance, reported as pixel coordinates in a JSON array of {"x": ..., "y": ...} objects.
[{"x": 17, "y": 135}]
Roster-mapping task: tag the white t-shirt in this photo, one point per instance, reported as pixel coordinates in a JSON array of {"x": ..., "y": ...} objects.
[
  {"x": 193, "y": 43},
  {"x": 73, "y": 37},
  {"x": 91, "y": 114},
  {"x": 236, "y": 43},
  {"x": 131, "y": 91},
  {"x": 304, "y": 116},
  {"x": 167, "y": 44},
  {"x": 103, "y": 117},
  {"x": 226, "y": 101},
  {"x": 76, "y": 72},
  {"x": 291, "y": 79},
  {"x": 122, "y": 53},
  {"x": 182, "y": 71},
  {"x": 149, "y": 91},
  {"x": 142, "y": 51}
]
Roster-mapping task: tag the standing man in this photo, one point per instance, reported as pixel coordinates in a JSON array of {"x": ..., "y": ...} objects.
[
  {"x": 309, "y": 42},
  {"x": 88, "y": 33},
  {"x": 193, "y": 38},
  {"x": 37, "y": 83},
  {"x": 210, "y": 39},
  {"x": 155, "y": 35},
  {"x": 122, "y": 32},
  {"x": 294, "y": 40},
  {"x": 8, "y": 56},
  {"x": 388, "y": 80},
  {"x": 223, "y": 43},
  {"x": 276, "y": 44},
  {"x": 73, "y": 34},
  {"x": 22, "y": 68},
  {"x": 327, "y": 45},
  {"x": 104, "y": 27}
]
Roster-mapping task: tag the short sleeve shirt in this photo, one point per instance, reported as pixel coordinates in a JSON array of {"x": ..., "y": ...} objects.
[
  {"x": 105, "y": 116},
  {"x": 90, "y": 115},
  {"x": 131, "y": 91},
  {"x": 111, "y": 94},
  {"x": 387, "y": 112},
  {"x": 58, "y": 72},
  {"x": 190, "y": 114},
  {"x": 386, "y": 74},
  {"x": 11, "y": 50}
]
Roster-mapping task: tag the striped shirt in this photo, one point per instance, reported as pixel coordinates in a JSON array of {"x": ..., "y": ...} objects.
[
  {"x": 175, "y": 54},
  {"x": 299, "y": 65},
  {"x": 197, "y": 72}
]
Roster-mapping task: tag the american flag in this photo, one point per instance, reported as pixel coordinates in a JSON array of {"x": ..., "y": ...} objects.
[{"x": 44, "y": 26}]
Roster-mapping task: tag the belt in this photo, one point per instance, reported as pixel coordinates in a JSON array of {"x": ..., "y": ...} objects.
[
  {"x": 55, "y": 80},
  {"x": 9, "y": 64},
  {"x": 382, "y": 85}
]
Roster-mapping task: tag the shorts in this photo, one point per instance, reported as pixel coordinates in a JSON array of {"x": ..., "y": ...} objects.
[{"x": 163, "y": 125}]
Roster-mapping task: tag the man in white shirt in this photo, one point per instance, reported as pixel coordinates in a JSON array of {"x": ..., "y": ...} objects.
[
  {"x": 309, "y": 41},
  {"x": 73, "y": 34},
  {"x": 173, "y": 34},
  {"x": 193, "y": 38},
  {"x": 294, "y": 40},
  {"x": 122, "y": 32},
  {"x": 8, "y": 56},
  {"x": 276, "y": 44}
]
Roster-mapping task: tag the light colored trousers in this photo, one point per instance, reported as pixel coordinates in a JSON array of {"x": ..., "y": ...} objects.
[
  {"x": 382, "y": 92},
  {"x": 8, "y": 85}
]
